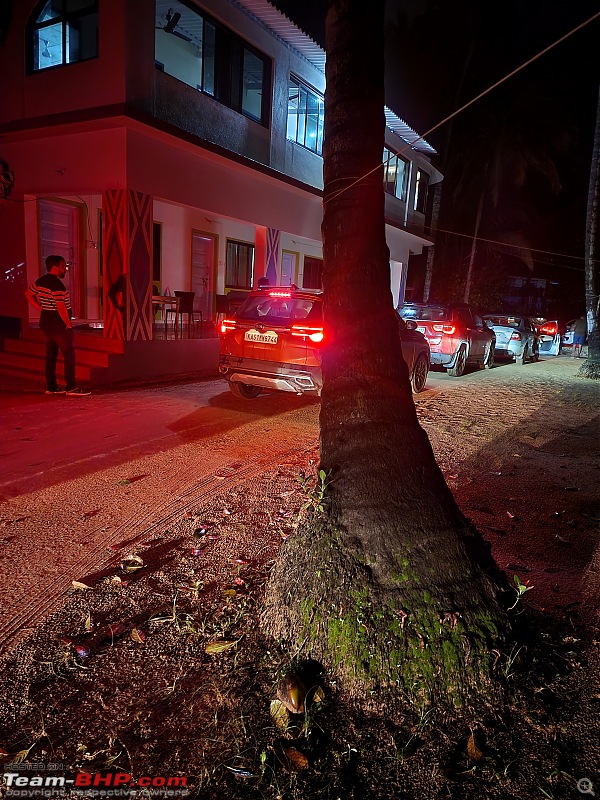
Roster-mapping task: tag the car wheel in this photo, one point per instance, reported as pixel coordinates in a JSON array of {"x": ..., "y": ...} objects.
[
  {"x": 461, "y": 362},
  {"x": 419, "y": 374},
  {"x": 488, "y": 362},
  {"x": 245, "y": 390},
  {"x": 523, "y": 357}
]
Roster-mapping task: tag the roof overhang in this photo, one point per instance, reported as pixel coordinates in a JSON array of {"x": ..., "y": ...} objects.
[{"x": 292, "y": 36}]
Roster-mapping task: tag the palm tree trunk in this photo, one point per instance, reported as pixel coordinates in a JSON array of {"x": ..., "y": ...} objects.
[
  {"x": 435, "y": 215},
  {"x": 591, "y": 367},
  {"x": 390, "y": 588}
]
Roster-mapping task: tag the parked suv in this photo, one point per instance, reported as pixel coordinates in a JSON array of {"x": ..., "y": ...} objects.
[
  {"x": 273, "y": 342},
  {"x": 457, "y": 335}
]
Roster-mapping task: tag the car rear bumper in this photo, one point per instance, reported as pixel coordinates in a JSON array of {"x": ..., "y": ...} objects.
[
  {"x": 509, "y": 350},
  {"x": 276, "y": 376}
]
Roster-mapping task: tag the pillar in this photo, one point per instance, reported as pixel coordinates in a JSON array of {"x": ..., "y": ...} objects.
[{"x": 127, "y": 264}]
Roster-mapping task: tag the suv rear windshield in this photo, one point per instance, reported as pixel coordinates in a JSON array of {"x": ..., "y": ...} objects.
[
  {"x": 280, "y": 310},
  {"x": 426, "y": 313}
]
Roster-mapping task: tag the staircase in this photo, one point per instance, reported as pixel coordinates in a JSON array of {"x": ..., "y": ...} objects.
[{"x": 23, "y": 359}]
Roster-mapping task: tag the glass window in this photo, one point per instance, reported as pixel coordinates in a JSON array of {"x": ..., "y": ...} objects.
[
  {"x": 252, "y": 88},
  {"x": 421, "y": 191},
  {"x": 395, "y": 174},
  {"x": 208, "y": 58},
  {"x": 402, "y": 177},
  {"x": 62, "y": 32},
  {"x": 279, "y": 310},
  {"x": 306, "y": 115},
  {"x": 198, "y": 51},
  {"x": 239, "y": 265}
]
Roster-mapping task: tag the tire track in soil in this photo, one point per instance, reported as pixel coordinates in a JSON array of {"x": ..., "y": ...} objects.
[{"x": 136, "y": 530}]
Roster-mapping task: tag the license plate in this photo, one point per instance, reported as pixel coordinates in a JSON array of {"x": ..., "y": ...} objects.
[
  {"x": 269, "y": 337},
  {"x": 421, "y": 329}
]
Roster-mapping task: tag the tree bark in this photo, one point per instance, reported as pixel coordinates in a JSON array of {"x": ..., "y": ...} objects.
[
  {"x": 390, "y": 588},
  {"x": 591, "y": 366}
]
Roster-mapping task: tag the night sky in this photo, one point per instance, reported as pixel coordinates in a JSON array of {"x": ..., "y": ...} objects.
[{"x": 441, "y": 54}]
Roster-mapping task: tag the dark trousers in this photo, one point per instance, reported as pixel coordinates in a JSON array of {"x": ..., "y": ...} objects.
[{"x": 63, "y": 341}]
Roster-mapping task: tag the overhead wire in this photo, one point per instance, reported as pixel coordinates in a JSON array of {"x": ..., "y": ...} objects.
[
  {"x": 517, "y": 247},
  {"x": 469, "y": 103}
]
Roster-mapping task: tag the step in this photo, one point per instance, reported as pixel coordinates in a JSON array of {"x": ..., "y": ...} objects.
[
  {"x": 37, "y": 349},
  {"x": 16, "y": 364},
  {"x": 83, "y": 341}
]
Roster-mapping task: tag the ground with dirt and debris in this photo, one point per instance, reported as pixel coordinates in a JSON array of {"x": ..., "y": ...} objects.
[{"x": 153, "y": 664}]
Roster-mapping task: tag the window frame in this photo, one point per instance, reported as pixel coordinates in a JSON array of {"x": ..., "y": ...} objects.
[
  {"x": 390, "y": 160},
  {"x": 306, "y": 92},
  {"x": 250, "y": 274},
  {"x": 422, "y": 184},
  {"x": 222, "y": 68},
  {"x": 315, "y": 270},
  {"x": 64, "y": 19}
]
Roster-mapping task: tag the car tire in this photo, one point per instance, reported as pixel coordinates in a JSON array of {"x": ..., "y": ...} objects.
[
  {"x": 523, "y": 357},
  {"x": 244, "y": 390},
  {"x": 419, "y": 373},
  {"x": 488, "y": 361},
  {"x": 460, "y": 363}
]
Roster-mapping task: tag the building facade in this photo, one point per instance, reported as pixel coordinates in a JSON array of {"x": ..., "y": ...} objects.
[{"x": 162, "y": 145}]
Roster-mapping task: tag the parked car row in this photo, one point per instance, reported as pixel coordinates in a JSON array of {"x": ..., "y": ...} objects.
[{"x": 273, "y": 340}]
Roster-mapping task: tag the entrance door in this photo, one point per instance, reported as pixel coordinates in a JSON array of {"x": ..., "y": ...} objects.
[
  {"x": 203, "y": 272},
  {"x": 59, "y": 236}
]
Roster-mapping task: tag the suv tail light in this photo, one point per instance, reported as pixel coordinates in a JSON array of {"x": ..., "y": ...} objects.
[
  {"x": 227, "y": 325},
  {"x": 549, "y": 327},
  {"x": 447, "y": 329},
  {"x": 516, "y": 335},
  {"x": 315, "y": 335}
]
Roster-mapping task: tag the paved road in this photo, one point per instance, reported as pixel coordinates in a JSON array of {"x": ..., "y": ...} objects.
[
  {"x": 47, "y": 440},
  {"x": 82, "y": 479}
]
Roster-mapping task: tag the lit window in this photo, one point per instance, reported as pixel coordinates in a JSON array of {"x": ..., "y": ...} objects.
[
  {"x": 395, "y": 174},
  {"x": 190, "y": 46},
  {"x": 62, "y": 32},
  {"x": 421, "y": 191},
  {"x": 306, "y": 116}
]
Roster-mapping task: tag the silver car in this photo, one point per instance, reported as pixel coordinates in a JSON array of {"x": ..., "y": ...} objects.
[{"x": 516, "y": 337}]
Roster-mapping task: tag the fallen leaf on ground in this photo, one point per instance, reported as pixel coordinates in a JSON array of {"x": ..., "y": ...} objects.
[
  {"x": 280, "y": 714},
  {"x": 473, "y": 751},
  {"x": 219, "y": 646},
  {"x": 138, "y": 635},
  {"x": 297, "y": 759},
  {"x": 79, "y": 585}
]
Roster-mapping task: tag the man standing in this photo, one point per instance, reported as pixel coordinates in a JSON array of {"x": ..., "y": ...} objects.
[
  {"x": 579, "y": 332},
  {"x": 49, "y": 295}
]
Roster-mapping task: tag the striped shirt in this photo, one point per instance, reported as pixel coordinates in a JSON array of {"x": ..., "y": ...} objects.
[{"x": 50, "y": 290}]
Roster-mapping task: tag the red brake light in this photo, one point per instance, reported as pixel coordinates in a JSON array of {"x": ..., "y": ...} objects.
[
  {"x": 315, "y": 335},
  {"x": 227, "y": 325},
  {"x": 280, "y": 294},
  {"x": 516, "y": 335},
  {"x": 549, "y": 327},
  {"x": 447, "y": 329}
]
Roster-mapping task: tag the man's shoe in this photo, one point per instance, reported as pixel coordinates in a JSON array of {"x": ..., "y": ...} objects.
[
  {"x": 77, "y": 392},
  {"x": 58, "y": 390}
]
